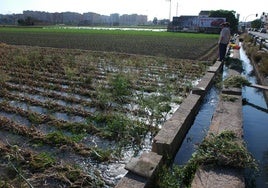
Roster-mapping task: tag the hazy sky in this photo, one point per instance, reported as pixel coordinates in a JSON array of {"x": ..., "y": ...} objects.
[{"x": 152, "y": 8}]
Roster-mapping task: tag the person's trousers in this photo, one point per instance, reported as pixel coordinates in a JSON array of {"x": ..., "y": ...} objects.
[{"x": 222, "y": 51}]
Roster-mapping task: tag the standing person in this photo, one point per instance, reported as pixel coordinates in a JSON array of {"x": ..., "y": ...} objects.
[{"x": 224, "y": 40}]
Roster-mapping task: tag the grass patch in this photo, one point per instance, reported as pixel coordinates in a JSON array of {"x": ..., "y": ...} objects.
[
  {"x": 41, "y": 161},
  {"x": 263, "y": 64},
  {"x": 120, "y": 128},
  {"x": 101, "y": 155},
  {"x": 236, "y": 81},
  {"x": 59, "y": 138},
  {"x": 229, "y": 98},
  {"x": 224, "y": 149},
  {"x": 234, "y": 63},
  {"x": 259, "y": 57},
  {"x": 121, "y": 86}
]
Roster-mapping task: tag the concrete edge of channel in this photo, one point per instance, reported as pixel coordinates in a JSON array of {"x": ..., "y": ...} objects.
[
  {"x": 227, "y": 117},
  {"x": 142, "y": 170}
]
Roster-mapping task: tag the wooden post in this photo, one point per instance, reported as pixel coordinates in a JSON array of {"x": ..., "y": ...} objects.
[{"x": 259, "y": 86}]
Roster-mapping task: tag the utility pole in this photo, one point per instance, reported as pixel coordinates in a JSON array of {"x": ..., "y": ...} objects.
[
  {"x": 177, "y": 9},
  {"x": 169, "y": 9}
]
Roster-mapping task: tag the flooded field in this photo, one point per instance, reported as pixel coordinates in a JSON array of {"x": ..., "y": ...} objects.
[{"x": 75, "y": 117}]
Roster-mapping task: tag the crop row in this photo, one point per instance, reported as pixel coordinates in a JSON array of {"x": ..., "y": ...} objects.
[{"x": 100, "y": 108}]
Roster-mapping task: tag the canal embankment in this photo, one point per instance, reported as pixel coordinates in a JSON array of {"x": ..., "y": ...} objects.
[
  {"x": 255, "y": 121},
  {"x": 227, "y": 117},
  {"x": 142, "y": 170},
  {"x": 254, "y": 50}
]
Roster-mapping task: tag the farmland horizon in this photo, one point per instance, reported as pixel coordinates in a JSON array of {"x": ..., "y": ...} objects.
[{"x": 132, "y": 42}]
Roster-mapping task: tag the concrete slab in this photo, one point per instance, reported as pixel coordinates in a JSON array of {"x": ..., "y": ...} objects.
[
  {"x": 170, "y": 137},
  {"x": 236, "y": 54},
  {"x": 190, "y": 104},
  {"x": 145, "y": 165},
  {"x": 228, "y": 117},
  {"x": 204, "y": 84},
  {"x": 131, "y": 180},
  {"x": 232, "y": 91},
  {"x": 218, "y": 177},
  {"x": 232, "y": 72},
  {"x": 216, "y": 68}
]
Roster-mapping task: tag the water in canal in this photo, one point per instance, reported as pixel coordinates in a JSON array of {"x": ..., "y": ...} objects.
[
  {"x": 255, "y": 125},
  {"x": 199, "y": 128}
]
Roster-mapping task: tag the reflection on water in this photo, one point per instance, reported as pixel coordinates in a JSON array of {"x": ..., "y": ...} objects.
[
  {"x": 109, "y": 28},
  {"x": 199, "y": 128},
  {"x": 255, "y": 124}
]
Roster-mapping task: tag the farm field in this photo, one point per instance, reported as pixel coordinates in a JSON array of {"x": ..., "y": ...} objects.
[
  {"x": 74, "y": 117},
  {"x": 166, "y": 44}
]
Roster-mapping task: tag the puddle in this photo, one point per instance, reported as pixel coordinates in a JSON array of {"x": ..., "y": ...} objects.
[
  {"x": 16, "y": 118},
  {"x": 27, "y": 107},
  {"x": 70, "y": 118},
  {"x": 42, "y": 90}
]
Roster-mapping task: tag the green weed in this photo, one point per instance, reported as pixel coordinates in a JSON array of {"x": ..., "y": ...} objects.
[
  {"x": 35, "y": 118},
  {"x": 236, "y": 81},
  {"x": 229, "y": 98},
  {"x": 41, "y": 161},
  {"x": 121, "y": 86},
  {"x": 234, "y": 63},
  {"x": 224, "y": 149},
  {"x": 101, "y": 155}
]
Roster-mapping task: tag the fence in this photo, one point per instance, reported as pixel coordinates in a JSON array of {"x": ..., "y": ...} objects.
[{"x": 261, "y": 41}]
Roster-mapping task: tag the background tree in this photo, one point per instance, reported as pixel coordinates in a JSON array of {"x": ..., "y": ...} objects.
[
  {"x": 230, "y": 17},
  {"x": 26, "y": 22},
  {"x": 256, "y": 23},
  {"x": 155, "y": 21}
]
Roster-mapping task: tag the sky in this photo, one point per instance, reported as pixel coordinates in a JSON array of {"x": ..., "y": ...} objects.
[{"x": 152, "y": 8}]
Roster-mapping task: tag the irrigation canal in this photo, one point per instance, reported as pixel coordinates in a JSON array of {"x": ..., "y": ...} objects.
[
  {"x": 255, "y": 123},
  {"x": 199, "y": 128},
  {"x": 255, "y": 126}
]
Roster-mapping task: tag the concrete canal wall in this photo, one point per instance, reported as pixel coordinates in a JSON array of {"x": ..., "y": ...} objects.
[
  {"x": 142, "y": 170},
  {"x": 227, "y": 117}
]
